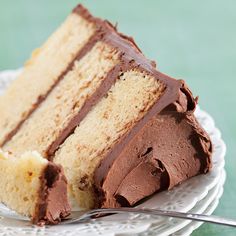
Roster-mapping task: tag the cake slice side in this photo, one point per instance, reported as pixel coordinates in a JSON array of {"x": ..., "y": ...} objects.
[{"x": 34, "y": 187}]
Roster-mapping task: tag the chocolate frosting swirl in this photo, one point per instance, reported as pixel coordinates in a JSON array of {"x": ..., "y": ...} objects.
[{"x": 159, "y": 154}]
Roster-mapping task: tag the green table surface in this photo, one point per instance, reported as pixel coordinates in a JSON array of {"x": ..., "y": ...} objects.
[{"x": 192, "y": 40}]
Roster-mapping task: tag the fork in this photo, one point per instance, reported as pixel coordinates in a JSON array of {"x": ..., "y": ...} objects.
[{"x": 82, "y": 216}]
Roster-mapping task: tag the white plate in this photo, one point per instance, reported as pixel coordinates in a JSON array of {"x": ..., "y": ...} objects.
[
  {"x": 188, "y": 229},
  {"x": 181, "y": 198}
]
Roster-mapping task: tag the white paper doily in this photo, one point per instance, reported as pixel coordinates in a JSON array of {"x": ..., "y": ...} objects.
[{"x": 184, "y": 197}]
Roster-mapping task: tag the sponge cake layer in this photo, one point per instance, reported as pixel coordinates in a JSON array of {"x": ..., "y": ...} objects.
[
  {"x": 65, "y": 101},
  {"x": 41, "y": 72}
]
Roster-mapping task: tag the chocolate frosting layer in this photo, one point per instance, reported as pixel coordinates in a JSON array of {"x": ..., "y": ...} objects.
[
  {"x": 159, "y": 153},
  {"x": 130, "y": 57},
  {"x": 52, "y": 205}
]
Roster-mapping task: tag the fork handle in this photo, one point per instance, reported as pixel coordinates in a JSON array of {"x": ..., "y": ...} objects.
[{"x": 187, "y": 216}]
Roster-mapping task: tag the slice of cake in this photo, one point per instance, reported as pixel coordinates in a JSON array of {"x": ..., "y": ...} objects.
[
  {"x": 33, "y": 187},
  {"x": 90, "y": 101}
]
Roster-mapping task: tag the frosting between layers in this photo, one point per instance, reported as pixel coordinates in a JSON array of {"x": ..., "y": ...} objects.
[
  {"x": 52, "y": 205},
  {"x": 130, "y": 58},
  {"x": 77, "y": 53},
  {"x": 41, "y": 98}
]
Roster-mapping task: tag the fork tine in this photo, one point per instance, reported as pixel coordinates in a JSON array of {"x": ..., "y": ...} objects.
[{"x": 77, "y": 217}]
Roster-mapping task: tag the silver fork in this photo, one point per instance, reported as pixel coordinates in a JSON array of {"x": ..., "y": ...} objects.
[{"x": 82, "y": 216}]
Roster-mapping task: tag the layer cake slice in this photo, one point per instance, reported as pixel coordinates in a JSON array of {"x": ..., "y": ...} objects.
[{"x": 91, "y": 102}]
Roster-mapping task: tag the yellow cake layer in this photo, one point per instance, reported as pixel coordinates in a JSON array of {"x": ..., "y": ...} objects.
[
  {"x": 65, "y": 101},
  {"x": 42, "y": 71},
  {"x": 20, "y": 181},
  {"x": 127, "y": 102}
]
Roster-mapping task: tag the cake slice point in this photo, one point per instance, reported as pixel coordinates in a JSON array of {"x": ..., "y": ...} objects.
[{"x": 34, "y": 187}]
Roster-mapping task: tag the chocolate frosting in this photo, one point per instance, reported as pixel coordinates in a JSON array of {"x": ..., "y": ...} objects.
[
  {"x": 52, "y": 205},
  {"x": 158, "y": 154}
]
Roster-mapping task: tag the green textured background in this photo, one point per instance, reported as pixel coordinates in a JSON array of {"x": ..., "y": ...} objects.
[{"x": 193, "y": 40}]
